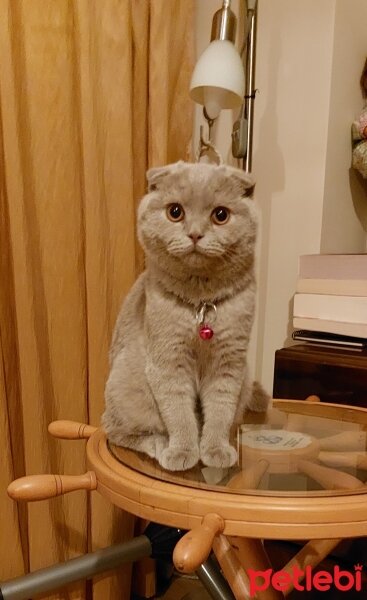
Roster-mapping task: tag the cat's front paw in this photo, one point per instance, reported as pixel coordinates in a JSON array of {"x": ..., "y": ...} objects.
[
  {"x": 179, "y": 459},
  {"x": 160, "y": 442},
  {"x": 222, "y": 455}
]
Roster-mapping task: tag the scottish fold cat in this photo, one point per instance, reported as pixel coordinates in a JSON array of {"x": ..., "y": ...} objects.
[{"x": 179, "y": 379}]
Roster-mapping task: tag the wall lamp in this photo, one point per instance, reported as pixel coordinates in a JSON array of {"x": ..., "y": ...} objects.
[{"x": 218, "y": 80}]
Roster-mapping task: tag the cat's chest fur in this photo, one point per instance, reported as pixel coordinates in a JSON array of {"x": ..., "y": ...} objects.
[{"x": 172, "y": 330}]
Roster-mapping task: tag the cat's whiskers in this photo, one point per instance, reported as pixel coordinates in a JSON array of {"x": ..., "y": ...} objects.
[
  {"x": 180, "y": 248},
  {"x": 177, "y": 247}
]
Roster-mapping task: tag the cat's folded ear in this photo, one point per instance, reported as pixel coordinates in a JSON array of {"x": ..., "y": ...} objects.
[
  {"x": 243, "y": 181},
  {"x": 157, "y": 174}
]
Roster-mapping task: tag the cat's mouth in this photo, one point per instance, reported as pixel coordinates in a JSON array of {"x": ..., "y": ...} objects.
[
  {"x": 193, "y": 249},
  {"x": 200, "y": 256},
  {"x": 192, "y": 255},
  {"x": 197, "y": 249},
  {"x": 207, "y": 252},
  {"x": 195, "y": 252}
]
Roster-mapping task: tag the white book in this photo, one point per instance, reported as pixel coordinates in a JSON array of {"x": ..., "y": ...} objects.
[
  {"x": 347, "y": 309},
  {"x": 336, "y": 287},
  {"x": 333, "y": 266},
  {"x": 352, "y": 329}
]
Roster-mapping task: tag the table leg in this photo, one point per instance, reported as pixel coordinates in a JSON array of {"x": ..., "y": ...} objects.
[
  {"x": 143, "y": 581},
  {"x": 231, "y": 567},
  {"x": 311, "y": 555},
  {"x": 252, "y": 555},
  {"x": 315, "y": 551}
]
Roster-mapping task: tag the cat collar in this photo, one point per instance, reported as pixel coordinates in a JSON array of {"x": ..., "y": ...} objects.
[{"x": 204, "y": 329}]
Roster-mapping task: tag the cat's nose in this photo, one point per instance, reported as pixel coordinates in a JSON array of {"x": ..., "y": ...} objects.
[{"x": 195, "y": 237}]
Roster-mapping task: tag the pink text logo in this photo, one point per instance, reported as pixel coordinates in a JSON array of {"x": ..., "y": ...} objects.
[{"x": 305, "y": 580}]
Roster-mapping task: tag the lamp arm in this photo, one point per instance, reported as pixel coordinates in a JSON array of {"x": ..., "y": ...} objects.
[
  {"x": 250, "y": 9},
  {"x": 242, "y": 133},
  {"x": 250, "y": 85},
  {"x": 251, "y": 5}
]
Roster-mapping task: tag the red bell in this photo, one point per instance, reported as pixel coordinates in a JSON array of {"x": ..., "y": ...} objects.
[{"x": 206, "y": 332}]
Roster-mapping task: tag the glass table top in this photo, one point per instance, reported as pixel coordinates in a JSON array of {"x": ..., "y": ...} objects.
[{"x": 295, "y": 449}]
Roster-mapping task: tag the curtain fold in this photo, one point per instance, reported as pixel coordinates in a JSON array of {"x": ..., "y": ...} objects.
[{"x": 92, "y": 93}]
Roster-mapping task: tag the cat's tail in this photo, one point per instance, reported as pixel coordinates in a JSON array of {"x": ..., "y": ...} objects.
[{"x": 260, "y": 398}]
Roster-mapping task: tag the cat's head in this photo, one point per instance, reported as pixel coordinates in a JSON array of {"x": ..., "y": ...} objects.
[{"x": 197, "y": 215}]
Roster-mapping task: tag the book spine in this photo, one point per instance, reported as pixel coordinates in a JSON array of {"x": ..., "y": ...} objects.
[
  {"x": 348, "y": 309},
  {"x": 333, "y": 266},
  {"x": 337, "y": 287}
]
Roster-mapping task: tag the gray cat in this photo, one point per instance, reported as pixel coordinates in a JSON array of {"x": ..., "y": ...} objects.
[{"x": 179, "y": 380}]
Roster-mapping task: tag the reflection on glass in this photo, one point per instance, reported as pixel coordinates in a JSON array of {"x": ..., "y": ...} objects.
[{"x": 295, "y": 449}]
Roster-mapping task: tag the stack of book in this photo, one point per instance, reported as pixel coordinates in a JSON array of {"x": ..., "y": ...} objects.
[{"x": 330, "y": 303}]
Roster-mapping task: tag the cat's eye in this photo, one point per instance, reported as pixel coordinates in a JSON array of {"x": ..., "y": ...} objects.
[
  {"x": 220, "y": 215},
  {"x": 175, "y": 212}
]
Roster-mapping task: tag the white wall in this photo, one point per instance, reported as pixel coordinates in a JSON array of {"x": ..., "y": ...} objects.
[
  {"x": 290, "y": 141},
  {"x": 344, "y": 221},
  {"x": 309, "y": 59}
]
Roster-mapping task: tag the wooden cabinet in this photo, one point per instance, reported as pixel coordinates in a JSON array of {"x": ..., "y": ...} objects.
[{"x": 336, "y": 375}]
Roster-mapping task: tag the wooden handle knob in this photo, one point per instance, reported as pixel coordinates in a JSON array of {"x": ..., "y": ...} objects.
[
  {"x": 312, "y": 399},
  {"x": 194, "y": 548},
  {"x": 71, "y": 430},
  {"x": 42, "y": 487}
]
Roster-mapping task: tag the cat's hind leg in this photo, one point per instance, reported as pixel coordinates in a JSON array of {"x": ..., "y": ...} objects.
[
  {"x": 258, "y": 399},
  {"x": 253, "y": 397}
]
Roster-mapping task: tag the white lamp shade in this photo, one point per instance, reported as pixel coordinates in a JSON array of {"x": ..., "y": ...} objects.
[{"x": 218, "y": 80}]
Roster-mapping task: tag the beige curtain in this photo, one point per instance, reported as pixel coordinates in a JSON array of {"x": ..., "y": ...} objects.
[{"x": 92, "y": 92}]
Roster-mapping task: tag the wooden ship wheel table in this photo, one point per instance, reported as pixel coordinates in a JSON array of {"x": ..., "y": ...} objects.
[{"x": 300, "y": 476}]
